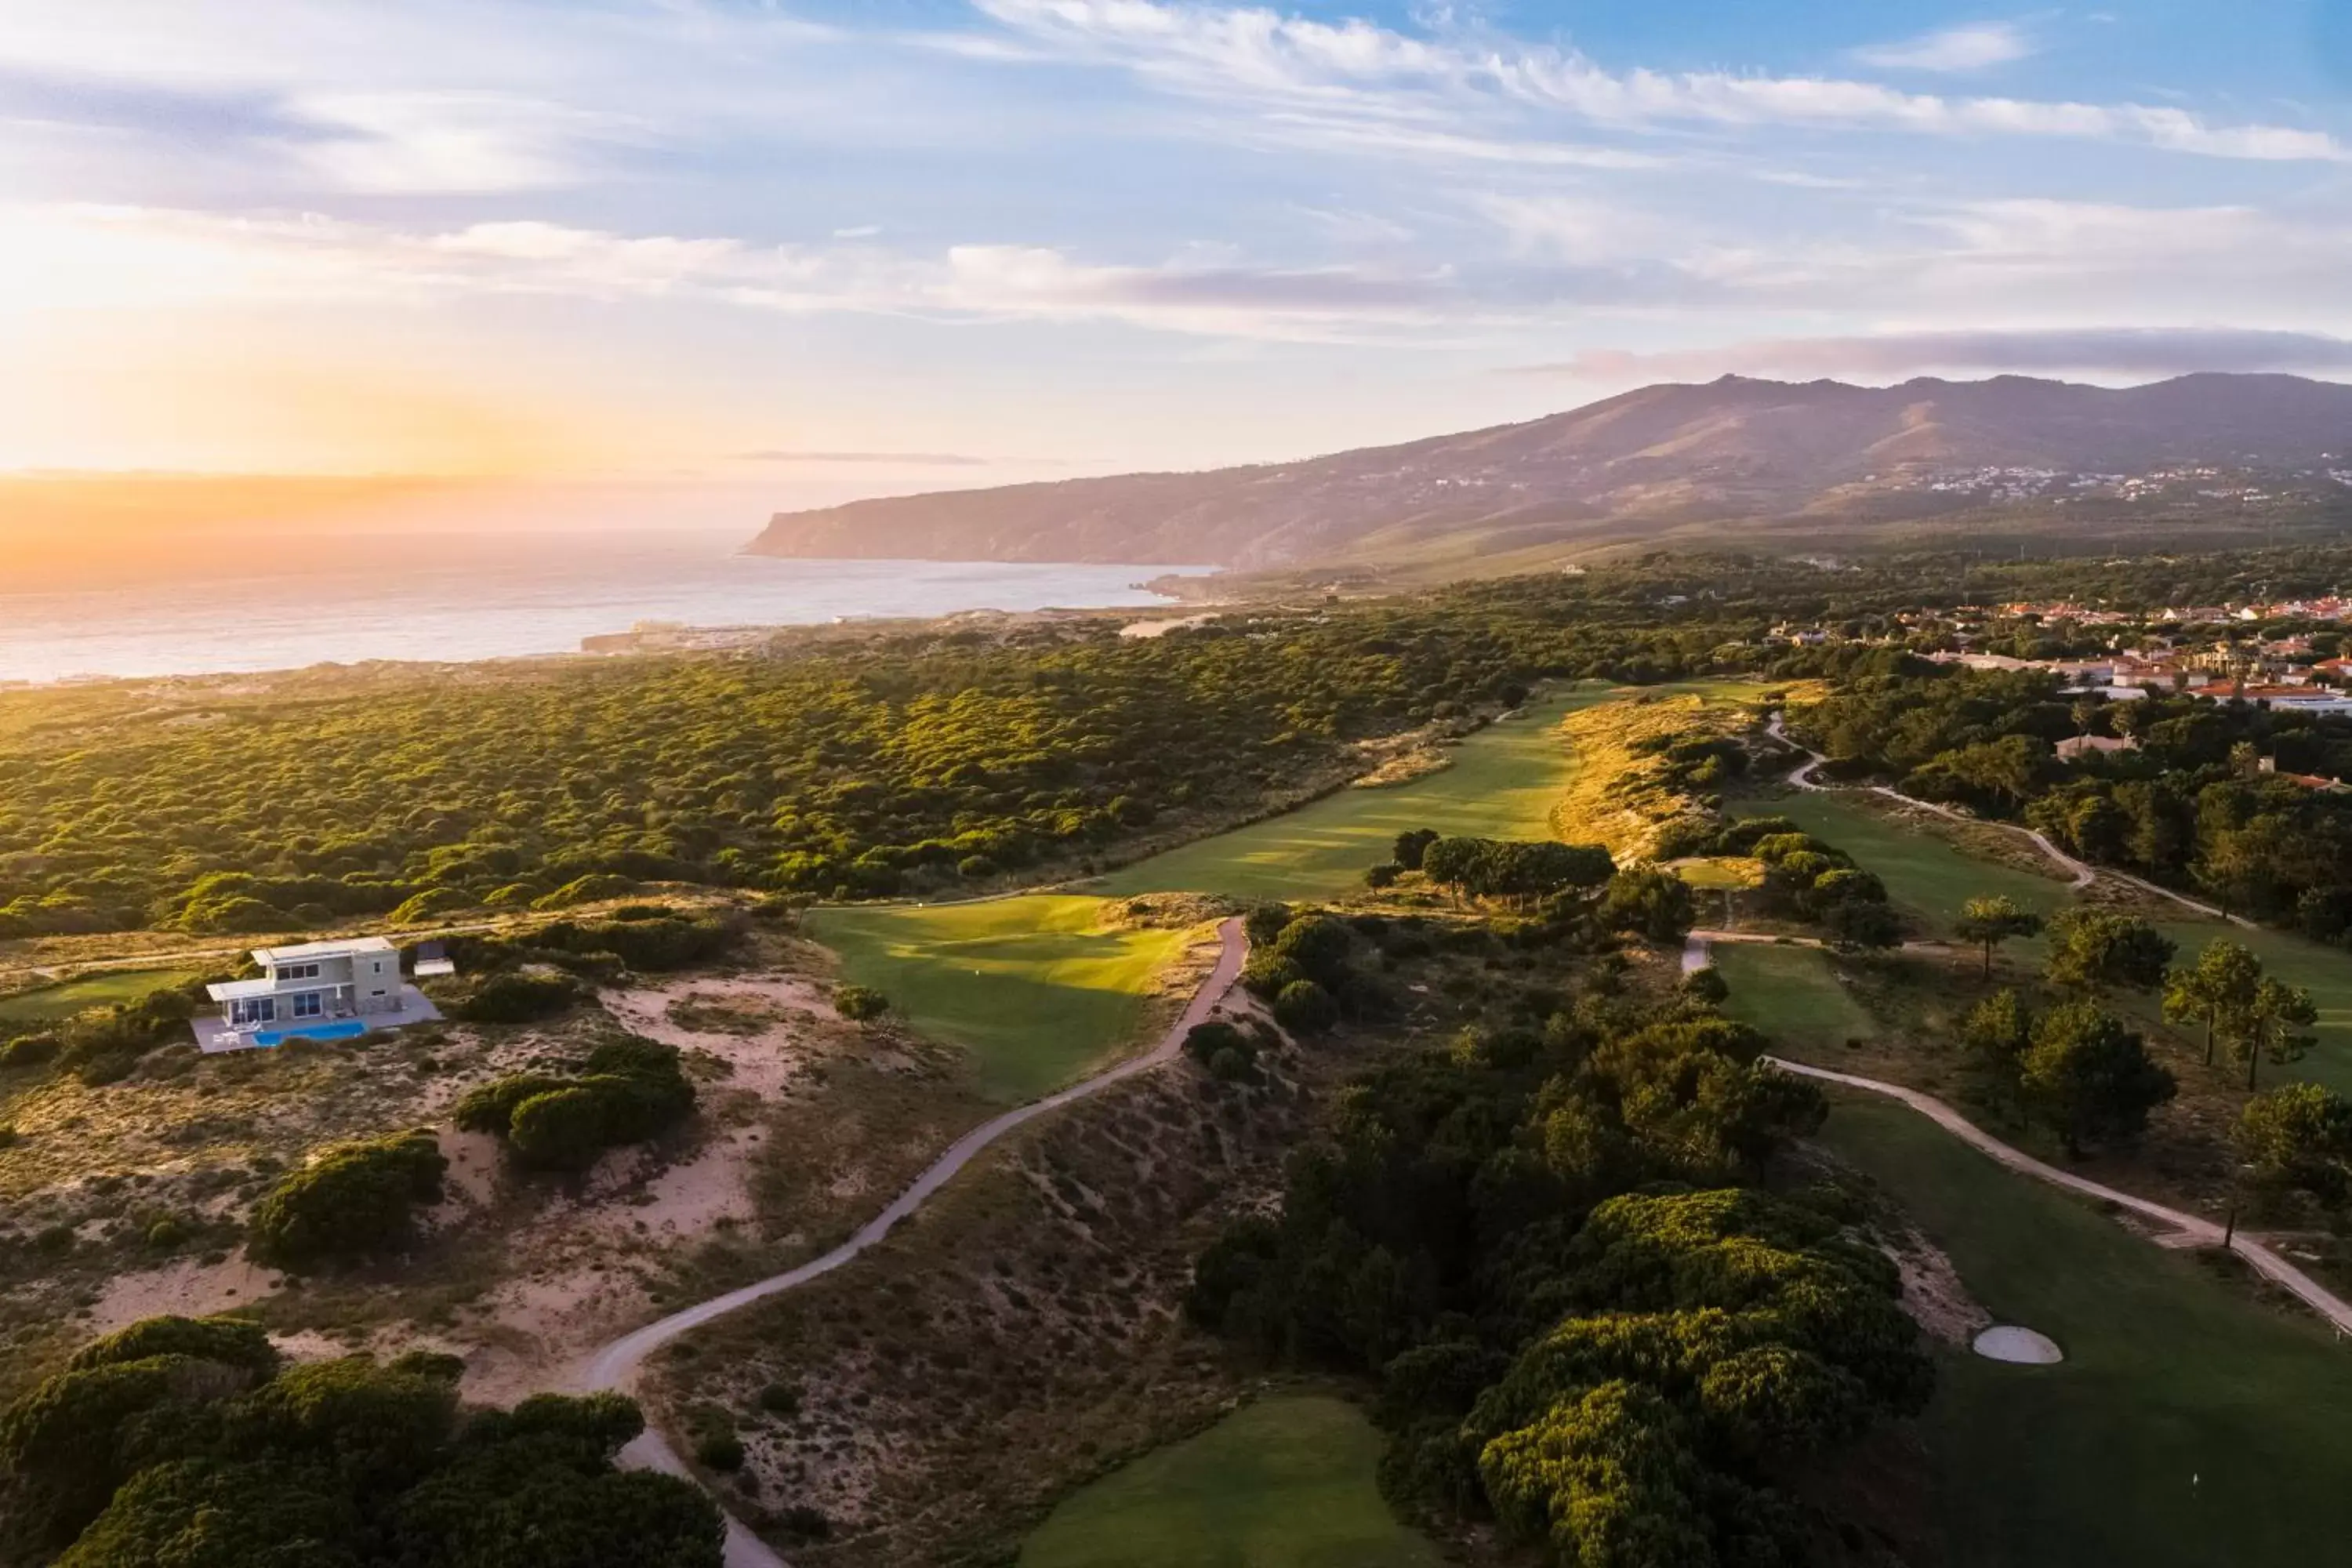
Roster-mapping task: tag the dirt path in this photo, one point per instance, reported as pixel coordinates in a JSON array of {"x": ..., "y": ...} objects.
[
  {"x": 2082, "y": 873},
  {"x": 617, "y": 1364}
]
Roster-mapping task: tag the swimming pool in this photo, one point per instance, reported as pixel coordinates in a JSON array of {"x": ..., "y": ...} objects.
[{"x": 344, "y": 1029}]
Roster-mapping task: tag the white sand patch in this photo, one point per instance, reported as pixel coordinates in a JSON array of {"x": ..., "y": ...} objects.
[
  {"x": 474, "y": 1166},
  {"x": 1160, "y": 628},
  {"x": 766, "y": 1057},
  {"x": 186, "y": 1289},
  {"x": 689, "y": 1199},
  {"x": 2006, "y": 1342},
  {"x": 538, "y": 1325}
]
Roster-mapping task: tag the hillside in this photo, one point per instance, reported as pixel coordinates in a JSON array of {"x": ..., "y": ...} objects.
[{"x": 1820, "y": 459}]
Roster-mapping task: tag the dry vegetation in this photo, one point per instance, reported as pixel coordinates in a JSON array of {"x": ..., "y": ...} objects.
[
  {"x": 1623, "y": 790},
  {"x": 1016, "y": 1337},
  {"x": 130, "y": 1198}
]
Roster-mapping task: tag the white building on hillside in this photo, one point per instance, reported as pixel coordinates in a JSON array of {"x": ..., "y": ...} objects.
[{"x": 319, "y": 990}]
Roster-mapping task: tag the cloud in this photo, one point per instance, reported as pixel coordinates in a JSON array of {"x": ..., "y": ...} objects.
[
  {"x": 895, "y": 460},
  {"x": 455, "y": 142},
  {"x": 2127, "y": 350},
  {"x": 862, "y": 231},
  {"x": 1396, "y": 82},
  {"x": 1974, "y": 47},
  {"x": 121, "y": 257}
]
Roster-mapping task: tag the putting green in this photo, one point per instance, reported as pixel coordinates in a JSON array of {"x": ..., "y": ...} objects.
[
  {"x": 1284, "y": 1483},
  {"x": 1792, "y": 997},
  {"x": 51, "y": 1002},
  {"x": 2186, "y": 1427},
  {"x": 1034, "y": 987}
]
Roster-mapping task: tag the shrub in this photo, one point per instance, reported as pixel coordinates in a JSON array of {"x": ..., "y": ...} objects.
[
  {"x": 560, "y": 1128},
  {"x": 490, "y": 1107},
  {"x": 513, "y": 996},
  {"x": 628, "y": 1090},
  {"x": 1268, "y": 975},
  {"x": 1264, "y": 923},
  {"x": 352, "y": 1199},
  {"x": 781, "y": 1399},
  {"x": 29, "y": 1051},
  {"x": 428, "y": 905},
  {"x": 184, "y": 1442},
  {"x": 1304, "y": 1008},
  {"x": 644, "y": 936},
  {"x": 720, "y": 1451},
  {"x": 859, "y": 1004},
  {"x": 805, "y": 1523},
  {"x": 586, "y": 889}
]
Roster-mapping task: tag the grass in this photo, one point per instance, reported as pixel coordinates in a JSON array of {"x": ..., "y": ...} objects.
[
  {"x": 49, "y": 1003},
  {"x": 1932, "y": 877},
  {"x": 1502, "y": 783},
  {"x": 2189, "y": 1424},
  {"x": 1790, "y": 994},
  {"x": 1284, "y": 1483},
  {"x": 1922, "y": 872},
  {"x": 1034, "y": 988}
]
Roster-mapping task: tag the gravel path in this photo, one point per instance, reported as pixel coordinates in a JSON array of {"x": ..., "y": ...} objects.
[{"x": 618, "y": 1363}]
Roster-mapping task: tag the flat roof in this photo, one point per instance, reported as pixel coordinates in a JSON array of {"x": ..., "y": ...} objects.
[
  {"x": 239, "y": 990},
  {"x": 298, "y": 953}
]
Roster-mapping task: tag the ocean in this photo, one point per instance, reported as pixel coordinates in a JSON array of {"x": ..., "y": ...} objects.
[{"x": 286, "y": 602}]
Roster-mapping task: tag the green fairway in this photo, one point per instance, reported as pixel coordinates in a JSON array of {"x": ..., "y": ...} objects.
[
  {"x": 1932, "y": 877},
  {"x": 2186, "y": 1427},
  {"x": 1789, "y": 993},
  {"x": 1284, "y": 1483},
  {"x": 51, "y": 1003},
  {"x": 1502, "y": 783},
  {"x": 1922, "y": 871},
  {"x": 1030, "y": 986}
]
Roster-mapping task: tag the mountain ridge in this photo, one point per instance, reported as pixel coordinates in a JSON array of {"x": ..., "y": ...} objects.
[{"x": 1650, "y": 461}]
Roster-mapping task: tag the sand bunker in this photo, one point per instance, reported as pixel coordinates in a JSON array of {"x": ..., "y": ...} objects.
[{"x": 2007, "y": 1342}]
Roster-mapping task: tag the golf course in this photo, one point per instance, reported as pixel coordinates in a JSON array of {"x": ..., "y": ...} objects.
[
  {"x": 1932, "y": 877},
  {"x": 53, "y": 1003},
  {"x": 2189, "y": 1425},
  {"x": 1284, "y": 1483},
  {"x": 1037, "y": 989},
  {"x": 1500, "y": 782}
]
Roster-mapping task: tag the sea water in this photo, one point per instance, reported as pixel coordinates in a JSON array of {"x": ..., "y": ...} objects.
[{"x": 288, "y": 602}]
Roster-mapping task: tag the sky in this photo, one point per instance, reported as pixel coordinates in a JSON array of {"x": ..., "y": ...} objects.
[{"x": 729, "y": 255}]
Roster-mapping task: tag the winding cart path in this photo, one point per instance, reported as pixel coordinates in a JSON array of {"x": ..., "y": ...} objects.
[{"x": 617, "y": 1364}]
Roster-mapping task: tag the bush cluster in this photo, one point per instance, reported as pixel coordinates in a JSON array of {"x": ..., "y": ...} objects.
[
  {"x": 186, "y": 1441},
  {"x": 350, "y": 1200},
  {"x": 1586, "y": 1321},
  {"x": 625, "y": 1091}
]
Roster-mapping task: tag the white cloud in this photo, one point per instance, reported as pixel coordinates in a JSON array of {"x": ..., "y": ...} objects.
[
  {"x": 458, "y": 143},
  {"x": 144, "y": 258},
  {"x": 1390, "y": 80},
  {"x": 1972, "y": 48}
]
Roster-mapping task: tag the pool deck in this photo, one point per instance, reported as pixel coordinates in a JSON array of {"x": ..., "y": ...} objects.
[{"x": 414, "y": 1008}]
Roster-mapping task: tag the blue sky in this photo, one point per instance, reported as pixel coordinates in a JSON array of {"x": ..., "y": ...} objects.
[{"x": 813, "y": 249}]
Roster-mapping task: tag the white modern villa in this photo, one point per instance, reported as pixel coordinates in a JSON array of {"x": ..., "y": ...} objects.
[{"x": 317, "y": 990}]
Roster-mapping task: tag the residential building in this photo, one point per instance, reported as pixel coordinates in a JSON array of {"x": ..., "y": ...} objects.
[{"x": 319, "y": 989}]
